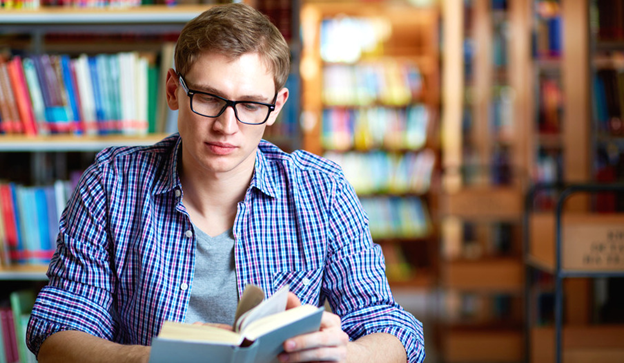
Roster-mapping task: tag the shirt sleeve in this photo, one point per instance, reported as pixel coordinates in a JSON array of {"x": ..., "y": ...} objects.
[
  {"x": 355, "y": 283},
  {"x": 79, "y": 293}
]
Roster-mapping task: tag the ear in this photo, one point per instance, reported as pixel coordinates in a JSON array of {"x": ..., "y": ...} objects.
[
  {"x": 171, "y": 88},
  {"x": 280, "y": 100}
]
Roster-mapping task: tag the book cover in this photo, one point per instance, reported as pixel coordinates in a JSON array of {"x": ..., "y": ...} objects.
[
  {"x": 53, "y": 216},
  {"x": 4, "y": 246},
  {"x": 36, "y": 95},
  {"x": 8, "y": 328},
  {"x": 27, "y": 222},
  {"x": 44, "y": 253},
  {"x": 79, "y": 124},
  {"x": 12, "y": 123},
  {"x": 100, "y": 116},
  {"x": 68, "y": 83},
  {"x": 65, "y": 115},
  {"x": 85, "y": 90},
  {"x": 22, "y": 98},
  {"x": 11, "y": 223},
  {"x": 21, "y": 304},
  {"x": 6, "y": 122},
  {"x": 258, "y": 335}
]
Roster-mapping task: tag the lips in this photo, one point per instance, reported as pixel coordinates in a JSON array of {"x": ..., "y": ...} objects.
[{"x": 220, "y": 148}]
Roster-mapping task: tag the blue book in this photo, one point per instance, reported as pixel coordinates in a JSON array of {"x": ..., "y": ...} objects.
[
  {"x": 554, "y": 35},
  {"x": 103, "y": 75},
  {"x": 41, "y": 208},
  {"x": 97, "y": 94},
  {"x": 114, "y": 92},
  {"x": 71, "y": 90},
  {"x": 53, "y": 217}
]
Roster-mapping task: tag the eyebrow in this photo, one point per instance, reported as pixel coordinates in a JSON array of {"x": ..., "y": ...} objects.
[{"x": 253, "y": 98}]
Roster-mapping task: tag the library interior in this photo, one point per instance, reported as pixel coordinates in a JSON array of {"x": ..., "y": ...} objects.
[{"x": 484, "y": 139}]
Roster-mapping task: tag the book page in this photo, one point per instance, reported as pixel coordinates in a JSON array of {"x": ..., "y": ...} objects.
[
  {"x": 198, "y": 333},
  {"x": 273, "y": 305},
  {"x": 252, "y": 297}
]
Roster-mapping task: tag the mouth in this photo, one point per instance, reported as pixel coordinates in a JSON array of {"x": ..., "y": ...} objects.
[{"x": 220, "y": 148}]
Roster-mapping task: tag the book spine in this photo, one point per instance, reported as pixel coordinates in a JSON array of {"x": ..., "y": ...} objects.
[
  {"x": 36, "y": 96},
  {"x": 22, "y": 98},
  {"x": 12, "y": 123}
]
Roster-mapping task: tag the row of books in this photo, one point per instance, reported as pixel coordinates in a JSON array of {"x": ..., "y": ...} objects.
[
  {"x": 550, "y": 108},
  {"x": 93, "y": 95},
  {"x": 609, "y": 101},
  {"x": 375, "y": 127},
  {"x": 14, "y": 316},
  {"x": 498, "y": 170},
  {"x": 547, "y": 37},
  {"x": 476, "y": 308},
  {"x": 393, "y": 217},
  {"x": 610, "y": 19},
  {"x": 347, "y": 39},
  {"x": 117, "y": 4},
  {"x": 29, "y": 219},
  {"x": 464, "y": 240},
  {"x": 381, "y": 172},
  {"x": 387, "y": 82},
  {"x": 398, "y": 268}
]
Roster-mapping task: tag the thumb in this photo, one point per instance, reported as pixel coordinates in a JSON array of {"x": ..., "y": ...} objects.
[{"x": 293, "y": 301}]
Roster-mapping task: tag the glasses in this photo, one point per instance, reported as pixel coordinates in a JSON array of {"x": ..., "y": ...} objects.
[{"x": 209, "y": 105}]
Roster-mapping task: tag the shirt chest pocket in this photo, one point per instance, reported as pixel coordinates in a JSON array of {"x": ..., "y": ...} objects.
[{"x": 305, "y": 284}]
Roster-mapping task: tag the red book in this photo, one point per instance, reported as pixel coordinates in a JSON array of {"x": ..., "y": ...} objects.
[
  {"x": 22, "y": 98},
  {"x": 11, "y": 123},
  {"x": 8, "y": 330},
  {"x": 10, "y": 225}
]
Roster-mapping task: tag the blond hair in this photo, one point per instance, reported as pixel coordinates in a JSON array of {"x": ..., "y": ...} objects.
[{"x": 233, "y": 30}]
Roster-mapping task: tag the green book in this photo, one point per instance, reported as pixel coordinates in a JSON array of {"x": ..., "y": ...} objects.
[
  {"x": 22, "y": 303},
  {"x": 152, "y": 97}
]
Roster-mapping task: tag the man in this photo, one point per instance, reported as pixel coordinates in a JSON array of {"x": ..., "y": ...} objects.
[{"x": 175, "y": 231}]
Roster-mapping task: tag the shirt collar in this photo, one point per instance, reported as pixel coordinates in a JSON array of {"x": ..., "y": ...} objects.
[
  {"x": 263, "y": 175},
  {"x": 169, "y": 178}
]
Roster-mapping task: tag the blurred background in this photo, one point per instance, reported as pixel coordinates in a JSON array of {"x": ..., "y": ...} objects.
[{"x": 483, "y": 137}]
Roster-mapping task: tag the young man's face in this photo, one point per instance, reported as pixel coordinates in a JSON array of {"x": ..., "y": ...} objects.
[{"x": 223, "y": 145}]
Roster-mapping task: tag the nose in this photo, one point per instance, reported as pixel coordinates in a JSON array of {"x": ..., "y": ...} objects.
[{"x": 226, "y": 123}]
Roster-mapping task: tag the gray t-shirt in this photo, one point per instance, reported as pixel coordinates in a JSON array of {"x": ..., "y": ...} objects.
[{"x": 214, "y": 293}]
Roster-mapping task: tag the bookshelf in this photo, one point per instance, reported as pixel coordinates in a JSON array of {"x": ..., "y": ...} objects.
[
  {"x": 485, "y": 96},
  {"x": 373, "y": 109},
  {"x": 38, "y": 160}
]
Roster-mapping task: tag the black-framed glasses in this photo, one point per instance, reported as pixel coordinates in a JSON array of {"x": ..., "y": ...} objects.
[{"x": 210, "y": 105}]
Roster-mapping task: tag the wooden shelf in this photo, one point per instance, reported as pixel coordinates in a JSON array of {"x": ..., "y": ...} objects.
[
  {"x": 491, "y": 203},
  {"x": 24, "y": 272},
  {"x": 13, "y": 143},
  {"x": 491, "y": 275},
  {"x": 483, "y": 345},
  {"x": 152, "y": 14},
  {"x": 596, "y": 343}
]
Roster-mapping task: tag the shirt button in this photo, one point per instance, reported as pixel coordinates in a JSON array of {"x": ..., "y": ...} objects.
[
  {"x": 189, "y": 233},
  {"x": 178, "y": 193},
  {"x": 306, "y": 281},
  {"x": 184, "y": 286}
]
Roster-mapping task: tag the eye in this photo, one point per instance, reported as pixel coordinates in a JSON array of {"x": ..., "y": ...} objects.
[
  {"x": 204, "y": 98},
  {"x": 251, "y": 107}
]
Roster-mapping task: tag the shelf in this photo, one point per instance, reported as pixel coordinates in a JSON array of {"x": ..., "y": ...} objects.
[
  {"x": 596, "y": 343},
  {"x": 24, "y": 272},
  {"x": 591, "y": 243},
  {"x": 154, "y": 14},
  {"x": 483, "y": 345},
  {"x": 488, "y": 275},
  {"x": 61, "y": 143},
  {"x": 423, "y": 280},
  {"x": 491, "y": 203}
]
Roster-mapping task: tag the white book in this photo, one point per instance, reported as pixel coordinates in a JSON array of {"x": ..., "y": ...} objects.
[{"x": 85, "y": 90}]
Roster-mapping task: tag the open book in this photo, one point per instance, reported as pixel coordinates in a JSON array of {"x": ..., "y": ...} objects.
[{"x": 260, "y": 329}]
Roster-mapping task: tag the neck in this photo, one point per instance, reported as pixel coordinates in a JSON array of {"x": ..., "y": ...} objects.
[{"x": 212, "y": 198}]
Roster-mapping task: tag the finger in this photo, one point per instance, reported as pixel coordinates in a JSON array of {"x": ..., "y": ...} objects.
[
  {"x": 327, "y": 338},
  {"x": 293, "y": 301},
  {"x": 330, "y": 320},
  {"x": 326, "y": 354}
]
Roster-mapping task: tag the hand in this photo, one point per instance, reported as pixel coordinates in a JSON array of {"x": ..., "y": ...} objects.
[{"x": 329, "y": 344}]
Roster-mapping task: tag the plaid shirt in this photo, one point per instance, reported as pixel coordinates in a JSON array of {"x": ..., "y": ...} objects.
[{"x": 126, "y": 249}]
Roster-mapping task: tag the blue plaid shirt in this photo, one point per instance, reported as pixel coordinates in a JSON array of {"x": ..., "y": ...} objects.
[{"x": 126, "y": 249}]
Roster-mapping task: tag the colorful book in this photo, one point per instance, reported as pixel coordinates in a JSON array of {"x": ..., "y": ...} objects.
[
  {"x": 44, "y": 253},
  {"x": 36, "y": 96},
  {"x": 21, "y": 304},
  {"x": 12, "y": 124},
  {"x": 11, "y": 223},
  {"x": 22, "y": 98},
  {"x": 70, "y": 91},
  {"x": 8, "y": 328},
  {"x": 85, "y": 90}
]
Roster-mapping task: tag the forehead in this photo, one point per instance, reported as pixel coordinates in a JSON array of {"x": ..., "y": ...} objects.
[{"x": 231, "y": 74}]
